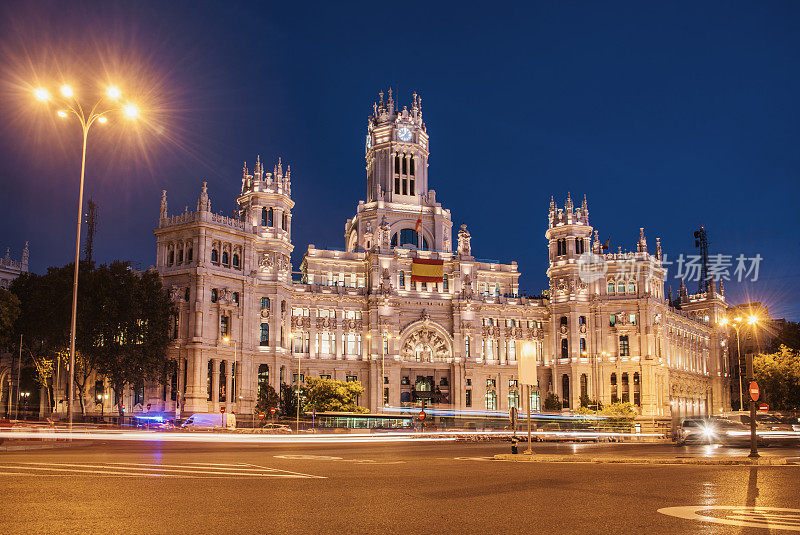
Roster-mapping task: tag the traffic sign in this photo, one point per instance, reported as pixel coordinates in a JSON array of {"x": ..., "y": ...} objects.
[
  {"x": 272, "y": 410},
  {"x": 222, "y": 409},
  {"x": 421, "y": 415},
  {"x": 763, "y": 407},
  {"x": 261, "y": 415},
  {"x": 754, "y": 392}
]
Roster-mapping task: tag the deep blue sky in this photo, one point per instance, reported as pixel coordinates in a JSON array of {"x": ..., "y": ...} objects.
[{"x": 668, "y": 115}]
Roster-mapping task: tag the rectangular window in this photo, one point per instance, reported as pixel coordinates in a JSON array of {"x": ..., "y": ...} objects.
[
  {"x": 512, "y": 383},
  {"x": 445, "y": 284},
  {"x": 466, "y": 347},
  {"x": 612, "y": 320},
  {"x": 265, "y": 302},
  {"x": 511, "y": 351},
  {"x": 633, "y": 319},
  {"x": 404, "y": 380},
  {"x": 401, "y": 280},
  {"x": 491, "y": 383},
  {"x": 302, "y": 377},
  {"x": 583, "y": 346},
  {"x": 468, "y": 398},
  {"x": 624, "y": 346},
  {"x": 223, "y": 325},
  {"x": 352, "y": 378}
]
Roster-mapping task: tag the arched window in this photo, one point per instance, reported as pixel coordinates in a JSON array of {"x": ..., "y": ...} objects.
[
  {"x": 411, "y": 161},
  {"x": 637, "y": 395},
  {"x": 215, "y": 256},
  {"x": 270, "y": 217},
  {"x": 189, "y": 252},
  {"x": 632, "y": 287},
  {"x": 614, "y": 397},
  {"x": 208, "y": 377},
  {"x": 583, "y": 346},
  {"x": 213, "y": 295},
  {"x": 225, "y": 257},
  {"x": 180, "y": 255},
  {"x": 611, "y": 287},
  {"x": 491, "y": 400},
  {"x": 408, "y": 236},
  {"x": 621, "y": 288},
  {"x": 265, "y": 302},
  {"x": 223, "y": 381},
  {"x": 235, "y": 260},
  {"x": 625, "y": 389},
  {"x": 263, "y": 376},
  {"x": 578, "y": 245},
  {"x": 405, "y": 164},
  {"x": 564, "y": 348},
  {"x": 565, "y": 394},
  {"x": 224, "y": 322},
  {"x": 513, "y": 399},
  {"x": 265, "y": 334},
  {"x": 397, "y": 165},
  {"x": 264, "y": 216},
  {"x": 581, "y": 320},
  {"x": 284, "y": 221},
  {"x": 170, "y": 257}
]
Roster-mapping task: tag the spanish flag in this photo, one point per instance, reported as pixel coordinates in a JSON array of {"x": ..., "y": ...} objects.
[{"x": 425, "y": 270}]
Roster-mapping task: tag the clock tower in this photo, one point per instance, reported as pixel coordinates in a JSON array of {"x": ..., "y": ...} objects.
[{"x": 400, "y": 210}]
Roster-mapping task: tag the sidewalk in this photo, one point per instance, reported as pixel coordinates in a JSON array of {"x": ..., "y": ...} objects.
[{"x": 730, "y": 460}]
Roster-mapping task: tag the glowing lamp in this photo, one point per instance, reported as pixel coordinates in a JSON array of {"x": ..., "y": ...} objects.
[
  {"x": 752, "y": 320},
  {"x": 67, "y": 91},
  {"x": 114, "y": 92},
  {"x": 41, "y": 94},
  {"x": 130, "y": 110},
  {"x": 61, "y": 113},
  {"x": 102, "y": 120}
]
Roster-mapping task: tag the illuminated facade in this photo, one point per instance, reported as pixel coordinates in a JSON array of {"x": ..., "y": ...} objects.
[
  {"x": 10, "y": 269},
  {"x": 362, "y": 314}
]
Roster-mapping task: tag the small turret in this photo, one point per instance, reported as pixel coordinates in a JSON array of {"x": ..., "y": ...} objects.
[
  {"x": 464, "y": 241},
  {"x": 204, "y": 203},
  {"x": 26, "y": 254},
  {"x": 658, "y": 248},
  {"x": 641, "y": 245}
]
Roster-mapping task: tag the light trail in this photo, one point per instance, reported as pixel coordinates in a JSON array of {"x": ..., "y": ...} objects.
[{"x": 252, "y": 438}]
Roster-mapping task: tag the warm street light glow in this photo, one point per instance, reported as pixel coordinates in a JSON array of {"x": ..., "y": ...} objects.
[
  {"x": 114, "y": 92},
  {"x": 227, "y": 338},
  {"x": 66, "y": 91},
  {"x": 42, "y": 94},
  {"x": 752, "y": 320},
  {"x": 130, "y": 110},
  {"x": 737, "y": 319},
  {"x": 724, "y": 321},
  {"x": 102, "y": 120},
  {"x": 61, "y": 113}
]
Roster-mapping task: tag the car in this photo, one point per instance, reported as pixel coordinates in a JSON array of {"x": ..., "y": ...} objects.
[
  {"x": 277, "y": 429},
  {"x": 695, "y": 431},
  {"x": 732, "y": 433}
]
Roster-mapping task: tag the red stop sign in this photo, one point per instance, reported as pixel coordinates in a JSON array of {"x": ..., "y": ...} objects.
[
  {"x": 222, "y": 409},
  {"x": 272, "y": 410},
  {"x": 421, "y": 415},
  {"x": 754, "y": 392},
  {"x": 261, "y": 415}
]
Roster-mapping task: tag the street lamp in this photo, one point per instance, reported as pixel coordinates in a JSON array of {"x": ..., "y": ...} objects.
[
  {"x": 101, "y": 400},
  {"x": 736, "y": 323},
  {"x": 291, "y": 348},
  {"x": 98, "y": 113}
]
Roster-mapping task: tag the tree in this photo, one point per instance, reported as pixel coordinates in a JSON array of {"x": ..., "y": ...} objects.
[
  {"x": 9, "y": 312},
  {"x": 328, "y": 395},
  {"x": 131, "y": 330},
  {"x": 267, "y": 398},
  {"x": 288, "y": 400},
  {"x": 551, "y": 402},
  {"x": 778, "y": 376}
]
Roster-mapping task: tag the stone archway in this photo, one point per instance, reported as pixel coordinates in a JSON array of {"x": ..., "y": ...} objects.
[{"x": 426, "y": 342}]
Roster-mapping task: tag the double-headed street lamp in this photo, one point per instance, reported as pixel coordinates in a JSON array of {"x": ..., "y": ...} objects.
[
  {"x": 69, "y": 105},
  {"x": 737, "y": 323}
]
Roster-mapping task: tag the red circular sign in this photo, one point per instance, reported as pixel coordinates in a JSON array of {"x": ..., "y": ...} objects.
[
  {"x": 754, "y": 392},
  {"x": 261, "y": 415},
  {"x": 421, "y": 415},
  {"x": 272, "y": 410},
  {"x": 222, "y": 409}
]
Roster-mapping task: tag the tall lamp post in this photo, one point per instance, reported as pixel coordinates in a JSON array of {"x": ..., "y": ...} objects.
[
  {"x": 736, "y": 323},
  {"x": 69, "y": 105},
  {"x": 291, "y": 348}
]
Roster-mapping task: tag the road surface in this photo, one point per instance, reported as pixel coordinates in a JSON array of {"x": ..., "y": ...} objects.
[{"x": 137, "y": 487}]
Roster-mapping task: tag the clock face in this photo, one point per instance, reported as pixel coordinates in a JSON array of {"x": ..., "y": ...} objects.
[
  {"x": 369, "y": 141},
  {"x": 404, "y": 134}
]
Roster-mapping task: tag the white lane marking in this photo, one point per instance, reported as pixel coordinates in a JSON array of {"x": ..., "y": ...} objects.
[
  {"x": 752, "y": 517},
  {"x": 134, "y": 469},
  {"x": 231, "y": 467},
  {"x": 473, "y": 458},
  {"x": 308, "y": 457}
]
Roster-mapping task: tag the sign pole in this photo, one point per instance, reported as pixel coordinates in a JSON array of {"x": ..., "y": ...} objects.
[{"x": 530, "y": 449}]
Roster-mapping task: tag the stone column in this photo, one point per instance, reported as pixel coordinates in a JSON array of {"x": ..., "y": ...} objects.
[
  {"x": 229, "y": 393},
  {"x": 215, "y": 383},
  {"x": 196, "y": 393}
]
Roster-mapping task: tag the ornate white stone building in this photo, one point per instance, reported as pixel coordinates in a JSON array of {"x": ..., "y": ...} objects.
[
  {"x": 604, "y": 331},
  {"x": 10, "y": 269}
]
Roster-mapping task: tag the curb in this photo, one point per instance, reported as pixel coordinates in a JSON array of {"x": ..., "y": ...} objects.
[{"x": 734, "y": 461}]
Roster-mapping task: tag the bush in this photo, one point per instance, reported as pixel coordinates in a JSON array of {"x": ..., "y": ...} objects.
[{"x": 551, "y": 402}]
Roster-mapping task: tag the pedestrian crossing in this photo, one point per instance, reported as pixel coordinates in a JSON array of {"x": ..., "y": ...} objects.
[{"x": 156, "y": 470}]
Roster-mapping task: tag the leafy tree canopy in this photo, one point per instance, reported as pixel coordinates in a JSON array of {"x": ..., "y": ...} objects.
[
  {"x": 778, "y": 376},
  {"x": 329, "y": 395}
]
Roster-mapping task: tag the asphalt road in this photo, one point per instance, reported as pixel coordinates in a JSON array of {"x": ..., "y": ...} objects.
[{"x": 372, "y": 488}]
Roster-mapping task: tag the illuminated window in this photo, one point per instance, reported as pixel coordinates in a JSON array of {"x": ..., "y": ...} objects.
[
  {"x": 631, "y": 287},
  {"x": 265, "y": 302},
  {"x": 614, "y": 397},
  {"x": 225, "y": 257},
  {"x": 611, "y": 287},
  {"x": 264, "y": 217},
  {"x": 223, "y": 325},
  {"x": 564, "y": 348},
  {"x": 621, "y": 288},
  {"x": 270, "y": 217},
  {"x": 491, "y": 400},
  {"x": 265, "y": 334},
  {"x": 624, "y": 346},
  {"x": 513, "y": 399},
  {"x": 214, "y": 295}
]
